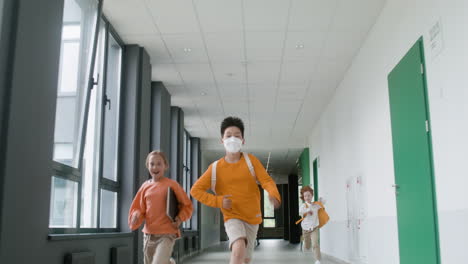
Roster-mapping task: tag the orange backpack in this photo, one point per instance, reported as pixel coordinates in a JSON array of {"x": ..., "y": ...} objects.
[{"x": 322, "y": 215}]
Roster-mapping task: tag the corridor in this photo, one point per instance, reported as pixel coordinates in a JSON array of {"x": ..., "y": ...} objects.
[
  {"x": 269, "y": 251},
  {"x": 359, "y": 104}
]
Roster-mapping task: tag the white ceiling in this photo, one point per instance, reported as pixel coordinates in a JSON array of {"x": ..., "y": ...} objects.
[{"x": 244, "y": 61}]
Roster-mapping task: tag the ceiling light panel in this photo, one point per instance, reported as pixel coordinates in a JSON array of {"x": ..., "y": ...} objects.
[
  {"x": 264, "y": 46},
  {"x": 266, "y": 15},
  {"x": 120, "y": 13},
  {"x": 186, "y": 48},
  {"x": 173, "y": 17},
  {"x": 311, "y": 15},
  {"x": 219, "y": 15},
  {"x": 225, "y": 47}
]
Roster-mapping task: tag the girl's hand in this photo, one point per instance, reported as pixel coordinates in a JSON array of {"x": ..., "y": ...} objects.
[
  {"x": 135, "y": 217},
  {"x": 177, "y": 222}
]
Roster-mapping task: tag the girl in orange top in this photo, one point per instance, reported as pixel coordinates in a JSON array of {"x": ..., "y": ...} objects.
[{"x": 149, "y": 205}]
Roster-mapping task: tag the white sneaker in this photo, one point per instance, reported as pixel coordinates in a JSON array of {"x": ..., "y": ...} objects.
[
  {"x": 172, "y": 261},
  {"x": 317, "y": 262}
]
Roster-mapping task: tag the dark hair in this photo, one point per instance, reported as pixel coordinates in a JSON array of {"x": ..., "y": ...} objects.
[
  {"x": 306, "y": 189},
  {"x": 232, "y": 121}
]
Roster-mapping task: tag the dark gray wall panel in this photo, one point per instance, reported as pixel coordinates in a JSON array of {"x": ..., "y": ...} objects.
[
  {"x": 135, "y": 131},
  {"x": 30, "y": 131},
  {"x": 177, "y": 147},
  {"x": 160, "y": 118},
  {"x": 8, "y": 15}
]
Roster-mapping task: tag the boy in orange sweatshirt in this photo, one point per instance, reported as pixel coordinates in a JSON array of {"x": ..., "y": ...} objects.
[
  {"x": 236, "y": 191},
  {"x": 149, "y": 205}
]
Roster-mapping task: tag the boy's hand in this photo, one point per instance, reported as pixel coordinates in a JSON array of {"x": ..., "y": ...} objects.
[
  {"x": 274, "y": 201},
  {"x": 177, "y": 222},
  {"x": 227, "y": 203},
  {"x": 135, "y": 217}
]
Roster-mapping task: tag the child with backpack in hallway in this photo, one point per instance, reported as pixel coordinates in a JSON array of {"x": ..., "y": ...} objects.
[
  {"x": 149, "y": 205},
  {"x": 311, "y": 221},
  {"x": 233, "y": 180}
]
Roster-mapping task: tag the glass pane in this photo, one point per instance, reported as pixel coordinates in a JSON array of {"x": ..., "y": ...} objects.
[
  {"x": 108, "y": 209},
  {"x": 111, "y": 112},
  {"x": 69, "y": 71},
  {"x": 90, "y": 168},
  {"x": 269, "y": 223},
  {"x": 268, "y": 209},
  {"x": 78, "y": 28},
  {"x": 63, "y": 203}
]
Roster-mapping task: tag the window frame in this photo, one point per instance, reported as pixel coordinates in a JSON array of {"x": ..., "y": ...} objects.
[
  {"x": 74, "y": 173},
  {"x": 187, "y": 175},
  {"x": 264, "y": 201}
]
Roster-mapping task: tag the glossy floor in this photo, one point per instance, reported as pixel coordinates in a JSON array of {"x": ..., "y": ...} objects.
[{"x": 269, "y": 251}]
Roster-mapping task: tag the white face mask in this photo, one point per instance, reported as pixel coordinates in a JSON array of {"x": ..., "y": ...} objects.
[{"x": 232, "y": 144}]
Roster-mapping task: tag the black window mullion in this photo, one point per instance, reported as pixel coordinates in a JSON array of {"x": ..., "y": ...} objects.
[
  {"x": 109, "y": 185},
  {"x": 102, "y": 100},
  {"x": 78, "y": 215},
  {"x": 120, "y": 99},
  {"x": 66, "y": 172}
]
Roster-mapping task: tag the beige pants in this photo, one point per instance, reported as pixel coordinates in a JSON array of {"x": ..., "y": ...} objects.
[
  {"x": 157, "y": 249},
  {"x": 237, "y": 229},
  {"x": 312, "y": 236}
]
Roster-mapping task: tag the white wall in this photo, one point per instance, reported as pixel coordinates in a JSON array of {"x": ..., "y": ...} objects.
[
  {"x": 353, "y": 135},
  {"x": 210, "y": 218}
]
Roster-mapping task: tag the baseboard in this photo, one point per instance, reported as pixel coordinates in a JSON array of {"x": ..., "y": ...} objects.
[{"x": 337, "y": 260}]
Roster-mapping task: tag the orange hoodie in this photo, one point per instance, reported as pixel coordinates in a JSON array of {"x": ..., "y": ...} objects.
[
  {"x": 150, "y": 201},
  {"x": 235, "y": 179}
]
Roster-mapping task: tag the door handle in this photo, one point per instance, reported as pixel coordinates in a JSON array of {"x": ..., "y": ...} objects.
[{"x": 396, "y": 186}]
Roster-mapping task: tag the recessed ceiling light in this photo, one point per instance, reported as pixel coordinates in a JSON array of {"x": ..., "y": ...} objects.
[
  {"x": 202, "y": 93},
  {"x": 187, "y": 49},
  {"x": 299, "y": 46}
]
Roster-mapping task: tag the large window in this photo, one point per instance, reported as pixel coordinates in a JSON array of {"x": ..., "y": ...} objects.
[
  {"x": 85, "y": 184},
  {"x": 268, "y": 212},
  {"x": 76, "y": 61}
]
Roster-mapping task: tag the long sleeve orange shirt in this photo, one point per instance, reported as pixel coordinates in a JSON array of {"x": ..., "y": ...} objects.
[
  {"x": 235, "y": 179},
  {"x": 150, "y": 201}
]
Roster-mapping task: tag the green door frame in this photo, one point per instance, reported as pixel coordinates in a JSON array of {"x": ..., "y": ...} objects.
[
  {"x": 402, "y": 73},
  {"x": 315, "y": 169}
]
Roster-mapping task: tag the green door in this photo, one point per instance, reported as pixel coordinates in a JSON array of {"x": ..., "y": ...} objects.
[{"x": 414, "y": 187}]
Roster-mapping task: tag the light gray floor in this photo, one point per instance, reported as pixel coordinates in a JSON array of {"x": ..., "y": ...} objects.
[{"x": 269, "y": 251}]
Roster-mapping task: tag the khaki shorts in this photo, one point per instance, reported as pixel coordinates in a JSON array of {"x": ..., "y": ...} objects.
[
  {"x": 157, "y": 249},
  {"x": 237, "y": 229}
]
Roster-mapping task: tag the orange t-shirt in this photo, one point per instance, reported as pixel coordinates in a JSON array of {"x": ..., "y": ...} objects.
[
  {"x": 235, "y": 179},
  {"x": 150, "y": 200}
]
